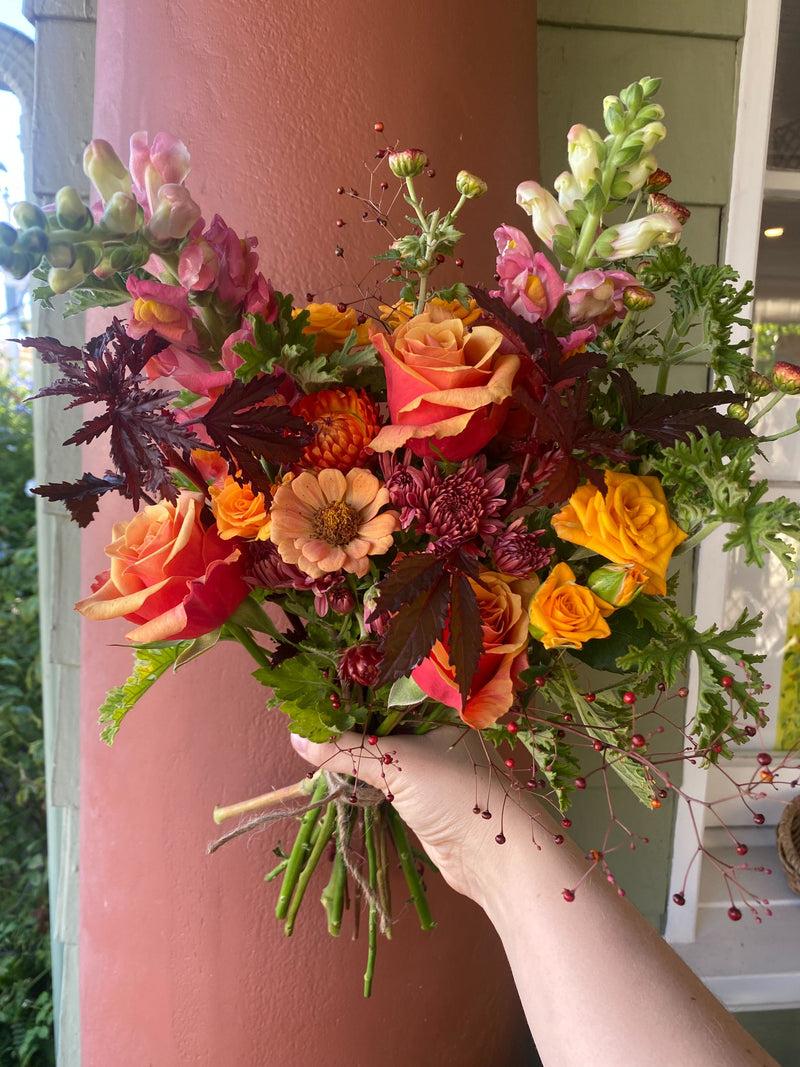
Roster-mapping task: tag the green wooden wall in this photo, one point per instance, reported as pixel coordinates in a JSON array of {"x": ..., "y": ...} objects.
[{"x": 587, "y": 50}]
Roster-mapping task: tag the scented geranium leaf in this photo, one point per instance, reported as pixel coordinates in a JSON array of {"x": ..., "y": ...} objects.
[
  {"x": 250, "y": 423},
  {"x": 148, "y": 666},
  {"x": 413, "y": 629},
  {"x": 767, "y": 526},
  {"x": 458, "y": 291},
  {"x": 465, "y": 638},
  {"x": 301, "y": 691},
  {"x": 274, "y": 341},
  {"x": 607, "y": 722},
  {"x": 81, "y": 498},
  {"x": 554, "y": 759},
  {"x": 666, "y": 419}
]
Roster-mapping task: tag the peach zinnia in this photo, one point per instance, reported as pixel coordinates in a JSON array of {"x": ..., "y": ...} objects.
[{"x": 327, "y": 521}]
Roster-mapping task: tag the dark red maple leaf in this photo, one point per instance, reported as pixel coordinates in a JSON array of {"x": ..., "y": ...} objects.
[
  {"x": 667, "y": 418},
  {"x": 250, "y": 422},
  {"x": 81, "y": 498}
]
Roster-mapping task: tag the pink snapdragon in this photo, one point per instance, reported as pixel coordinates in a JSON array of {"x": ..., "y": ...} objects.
[
  {"x": 530, "y": 285},
  {"x": 159, "y": 171},
  {"x": 198, "y": 265},
  {"x": 259, "y": 301},
  {"x": 596, "y": 296},
  {"x": 238, "y": 261}
]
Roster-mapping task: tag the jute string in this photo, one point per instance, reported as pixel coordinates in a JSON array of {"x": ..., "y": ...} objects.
[{"x": 345, "y": 794}]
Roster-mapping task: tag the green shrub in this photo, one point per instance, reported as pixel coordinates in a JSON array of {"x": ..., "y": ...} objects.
[{"x": 26, "y": 1011}]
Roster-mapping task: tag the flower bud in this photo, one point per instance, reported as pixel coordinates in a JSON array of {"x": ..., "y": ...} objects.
[
  {"x": 632, "y": 96},
  {"x": 650, "y": 86},
  {"x": 613, "y": 114},
  {"x": 469, "y": 185},
  {"x": 759, "y": 384},
  {"x": 121, "y": 258},
  {"x": 407, "y": 163},
  {"x": 639, "y": 172},
  {"x": 106, "y": 171},
  {"x": 738, "y": 412},
  {"x": 568, "y": 190},
  {"x": 543, "y": 208},
  {"x": 6, "y": 257},
  {"x": 786, "y": 378},
  {"x": 341, "y": 600},
  {"x": 652, "y": 134},
  {"x": 21, "y": 264},
  {"x": 61, "y": 254},
  {"x": 62, "y": 279},
  {"x": 660, "y": 203},
  {"x": 28, "y": 216},
  {"x": 374, "y": 624},
  {"x": 361, "y": 664},
  {"x": 637, "y": 236},
  {"x": 649, "y": 113},
  {"x": 33, "y": 240},
  {"x": 637, "y": 298},
  {"x": 174, "y": 215},
  {"x": 582, "y": 154},
  {"x": 658, "y": 180},
  {"x": 71, "y": 212},
  {"x": 122, "y": 215},
  {"x": 8, "y": 235},
  {"x": 617, "y": 584}
]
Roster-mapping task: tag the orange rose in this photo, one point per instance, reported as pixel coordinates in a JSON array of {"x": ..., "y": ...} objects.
[
  {"x": 630, "y": 523},
  {"x": 503, "y": 606},
  {"x": 396, "y": 314},
  {"x": 169, "y": 574},
  {"x": 564, "y": 614},
  {"x": 331, "y": 327},
  {"x": 239, "y": 511},
  {"x": 448, "y": 386}
]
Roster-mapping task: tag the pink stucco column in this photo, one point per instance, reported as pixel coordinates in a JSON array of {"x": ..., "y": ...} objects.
[{"x": 181, "y": 959}]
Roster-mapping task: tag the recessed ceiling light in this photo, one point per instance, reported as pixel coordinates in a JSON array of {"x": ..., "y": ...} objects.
[{"x": 773, "y": 231}]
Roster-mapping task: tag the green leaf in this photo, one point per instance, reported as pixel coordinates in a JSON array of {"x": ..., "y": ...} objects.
[
  {"x": 301, "y": 690},
  {"x": 197, "y": 647},
  {"x": 602, "y": 653},
  {"x": 405, "y": 693},
  {"x": 148, "y": 666},
  {"x": 554, "y": 758}
]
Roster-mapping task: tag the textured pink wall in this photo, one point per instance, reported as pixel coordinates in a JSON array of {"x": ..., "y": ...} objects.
[{"x": 182, "y": 961}]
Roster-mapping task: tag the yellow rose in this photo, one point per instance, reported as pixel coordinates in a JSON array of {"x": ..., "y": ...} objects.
[
  {"x": 239, "y": 511},
  {"x": 396, "y": 314},
  {"x": 630, "y": 523},
  {"x": 564, "y": 614},
  {"x": 331, "y": 327}
]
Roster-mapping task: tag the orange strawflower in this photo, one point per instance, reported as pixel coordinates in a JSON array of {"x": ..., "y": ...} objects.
[
  {"x": 344, "y": 421},
  {"x": 327, "y": 521},
  {"x": 396, "y": 314},
  {"x": 331, "y": 327}
]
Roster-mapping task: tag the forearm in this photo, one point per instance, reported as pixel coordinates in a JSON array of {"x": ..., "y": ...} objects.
[{"x": 596, "y": 981}]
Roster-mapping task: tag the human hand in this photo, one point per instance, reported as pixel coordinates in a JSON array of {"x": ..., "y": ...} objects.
[{"x": 435, "y": 783}]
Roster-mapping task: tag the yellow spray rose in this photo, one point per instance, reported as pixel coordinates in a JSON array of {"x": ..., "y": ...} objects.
[
  {"x": 239, "y": 511},
  {"x": 630, "y": 523},
  {"x": 564, "y": 614},
  {"x": 396, "y": 314},
  {"x": 331, "y": 327}
]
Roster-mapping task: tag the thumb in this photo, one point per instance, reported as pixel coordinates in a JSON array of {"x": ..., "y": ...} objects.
[{"x": 347, "y": 754}]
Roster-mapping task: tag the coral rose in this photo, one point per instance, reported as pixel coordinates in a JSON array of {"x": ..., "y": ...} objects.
[
  {"x": 328, "y": 522},
  {"x": 448, "y": 386},
  {"x": 564, "y": 614},
  {"x": 239, "y": 511},
  {"x": 630, "y": 523},
  {"x": 504, "y": 608},
  {"x": 330, "y": 327},
  {"x": 169, "y": 574}
]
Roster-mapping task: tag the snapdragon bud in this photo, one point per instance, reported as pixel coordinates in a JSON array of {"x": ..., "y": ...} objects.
[
  {"x": 637, "y": 236},
  {"x": 8, "y": 235},
  {"x": 614, "y": 114},
  {"x": 71, "y": 212},
  {"x": 28, "y": 216},
  {"x": 122, "y": 214},
  {"x": 21, "y": 264},
  {"x": 105, "y": 170},
  {"x": 33, "y": 240},
  {"x": 650, "y": 86},
  {"x": 582, "y": 153},
  {"x": 407, "y": 163},
  {"x": 569, "y": 192},
  {"x": 469, "y": 185},
  {"x": 638, "y": 174},
  {"x": 651, "y": 135},
  {"x": 543, "y": 208},
  {"x": 62, "y": 279},
  {"x": 60, "y": 254}
]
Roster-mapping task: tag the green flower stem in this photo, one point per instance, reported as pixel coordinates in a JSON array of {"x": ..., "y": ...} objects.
[
  {"x": 384, "y": 884},
  {"x": 451, "y": 215},
  {"x": 372, "y": 878},
  {"x": 701, "y": 535},
  {"x": 333, "y": 894},
  {"x": 585, "y": 242},
  {"x": 770, "y": 404},
  {"x": 413, "y": 880},
  {"x": 392, "y": 719},
  {"x": 277, "y": 871},
  {"x": 324, "y": 832},
  {"x": 783, "y": 433},
  {"x": 299, "y": 853},
  {"x": 663, "y": 375},
  {"x": 245, "y": 638}
]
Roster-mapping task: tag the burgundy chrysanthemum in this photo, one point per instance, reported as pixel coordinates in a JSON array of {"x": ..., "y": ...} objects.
[
  {"x": 460, "y": 507},
  {"x": 264, "y": 567},
  {"x": 519, "y": 553},
  {"x": 405, "y": 485}
]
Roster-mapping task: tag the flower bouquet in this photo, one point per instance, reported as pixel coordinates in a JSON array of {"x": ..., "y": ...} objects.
[{"x": 436, "y": 504}]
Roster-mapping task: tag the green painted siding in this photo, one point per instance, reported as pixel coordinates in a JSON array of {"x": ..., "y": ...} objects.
[{"x": 587, "y": 50}]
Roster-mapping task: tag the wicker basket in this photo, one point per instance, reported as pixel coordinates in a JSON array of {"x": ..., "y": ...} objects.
[{"x": 789, "y": 844}]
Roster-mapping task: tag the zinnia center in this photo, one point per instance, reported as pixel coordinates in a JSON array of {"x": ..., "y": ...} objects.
[{"x": 336, "y": 523}]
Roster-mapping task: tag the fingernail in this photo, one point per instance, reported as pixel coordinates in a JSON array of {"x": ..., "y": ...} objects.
[{"x": 300, "y": 745}]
